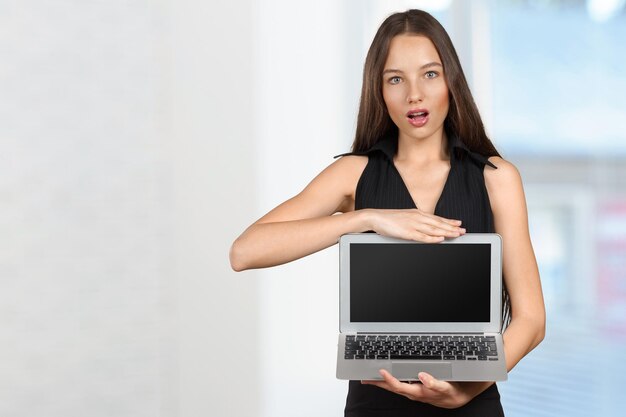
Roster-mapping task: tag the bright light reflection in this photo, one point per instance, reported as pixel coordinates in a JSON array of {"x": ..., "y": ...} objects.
[{"x": 603, "y": 10}]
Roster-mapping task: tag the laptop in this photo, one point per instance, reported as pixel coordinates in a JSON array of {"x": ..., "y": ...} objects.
[{"x": 409, "y": 307}]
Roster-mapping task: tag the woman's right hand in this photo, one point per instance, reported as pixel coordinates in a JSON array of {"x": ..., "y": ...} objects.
[{"x": 413, "y": 224}]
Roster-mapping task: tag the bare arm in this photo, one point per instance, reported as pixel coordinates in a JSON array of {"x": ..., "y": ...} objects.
[
  {"x": 315, "y": 219},
  {"x": 521, "y": 275},
  {"x": 305, "y": 223}
]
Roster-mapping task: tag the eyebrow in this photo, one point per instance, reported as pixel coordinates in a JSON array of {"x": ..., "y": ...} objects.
[{"x": 429, "y": 65}]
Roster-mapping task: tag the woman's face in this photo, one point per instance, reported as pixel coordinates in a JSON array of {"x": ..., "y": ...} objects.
[{"x": 414, "y": 87}]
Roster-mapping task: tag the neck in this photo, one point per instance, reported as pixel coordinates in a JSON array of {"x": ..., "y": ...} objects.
[{"x": 434, "y": 147}]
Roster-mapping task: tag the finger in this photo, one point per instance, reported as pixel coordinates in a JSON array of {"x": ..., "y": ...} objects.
[
  {"x": 438, "y": 224},
  {"x": 389, "y": 382},
  {"x": 421, "y": 237},
  {"x": 437, "y": 230},
  {"x": 393, "y": 382},
  {"x": 452, "y": 222},
  {"x": 388, "y": 377},
  {"x": 432, "y": 383},
  {"x": 373, "y": 382},
  {"x": 447, "y": 226},
  {"x": 411, "y": 391},
  {"x": 378, "y": 382}
]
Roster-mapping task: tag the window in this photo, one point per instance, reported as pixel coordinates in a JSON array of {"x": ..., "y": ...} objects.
[{"x": 558, "y": 74}]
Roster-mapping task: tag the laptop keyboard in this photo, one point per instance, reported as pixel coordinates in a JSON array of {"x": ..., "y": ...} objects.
[{"x": 421, "y": 347}]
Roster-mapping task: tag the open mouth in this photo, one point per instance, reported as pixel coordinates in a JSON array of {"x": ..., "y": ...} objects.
[
  {"x": 418, "y": 117},
  {"x": 417, "y": 114}
]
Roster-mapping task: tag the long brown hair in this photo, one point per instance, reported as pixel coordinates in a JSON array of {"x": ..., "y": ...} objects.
[{"x": 463, "y": 118}]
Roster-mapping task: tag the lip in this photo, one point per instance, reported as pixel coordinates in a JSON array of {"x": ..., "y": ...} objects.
[{"x": 417, "y": 121}]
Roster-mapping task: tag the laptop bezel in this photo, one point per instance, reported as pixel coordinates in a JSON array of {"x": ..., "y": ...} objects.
[{"x": 493, "y": 326}]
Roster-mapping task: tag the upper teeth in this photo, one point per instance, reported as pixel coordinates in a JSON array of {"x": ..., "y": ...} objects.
[{"x": 421, "y": 113}]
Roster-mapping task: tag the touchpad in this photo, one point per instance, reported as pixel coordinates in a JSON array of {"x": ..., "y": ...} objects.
[{"x": 409, "y": 370}]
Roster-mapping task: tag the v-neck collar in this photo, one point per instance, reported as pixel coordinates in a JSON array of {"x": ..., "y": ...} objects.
[
  {"x": 406, "y": 187},
  {"x": 389, "y": 147}
]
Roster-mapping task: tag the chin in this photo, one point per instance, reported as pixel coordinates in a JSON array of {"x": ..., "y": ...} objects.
[{"x": 422, "y": 135}]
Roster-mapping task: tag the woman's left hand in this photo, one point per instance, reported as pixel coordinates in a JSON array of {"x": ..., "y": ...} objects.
[{"x": 431, "y": 390}]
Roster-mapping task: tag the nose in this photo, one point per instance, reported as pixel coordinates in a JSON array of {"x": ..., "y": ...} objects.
[{"x": 414, "y": 94}]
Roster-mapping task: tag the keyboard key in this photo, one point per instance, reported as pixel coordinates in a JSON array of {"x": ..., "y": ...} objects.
[
  {"x": 486, "y": 353},
  {"x": 417, "y": 357}
]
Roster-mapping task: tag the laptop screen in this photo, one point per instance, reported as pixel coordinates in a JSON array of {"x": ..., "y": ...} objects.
[{"x": 406, "y": 282}]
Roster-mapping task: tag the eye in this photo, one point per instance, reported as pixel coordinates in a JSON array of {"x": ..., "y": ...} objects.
[
  {"x": 394, "y": 80},
  {"x": 431, "y": 74}
]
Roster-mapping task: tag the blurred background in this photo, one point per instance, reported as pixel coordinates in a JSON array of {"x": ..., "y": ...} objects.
[{"x": 140, "y": 137}]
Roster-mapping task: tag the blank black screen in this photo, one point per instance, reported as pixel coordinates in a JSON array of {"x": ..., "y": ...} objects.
[{"x": 409, "y": 282}]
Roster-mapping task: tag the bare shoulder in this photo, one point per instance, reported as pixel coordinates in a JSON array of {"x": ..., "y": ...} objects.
[
  {"x": 351, "y": 163},
  {"x": 506, "y": 174},
  {"x": 504, "y": 185},
  {"x": 344, "y": 172},
  {"x": 331, "y": 191},
  {"x": 337, "y": 183}
]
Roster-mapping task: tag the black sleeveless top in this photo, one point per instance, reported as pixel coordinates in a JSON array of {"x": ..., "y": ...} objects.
[{"x": 464, "y": 197}]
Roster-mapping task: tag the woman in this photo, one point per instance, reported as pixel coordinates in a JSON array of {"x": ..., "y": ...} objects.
[{"x": 421, "y": 168}]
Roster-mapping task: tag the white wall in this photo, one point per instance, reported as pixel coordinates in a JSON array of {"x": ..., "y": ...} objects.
[
  {"x": 85, "y": 231},
  {"x": 126, "y": 170},
  {"x": 301, "y": 120},
  {"x": 212, "y": 149}
]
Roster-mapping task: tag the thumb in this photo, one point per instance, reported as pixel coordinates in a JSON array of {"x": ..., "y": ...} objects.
[{"x": 430, "y": 381}]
